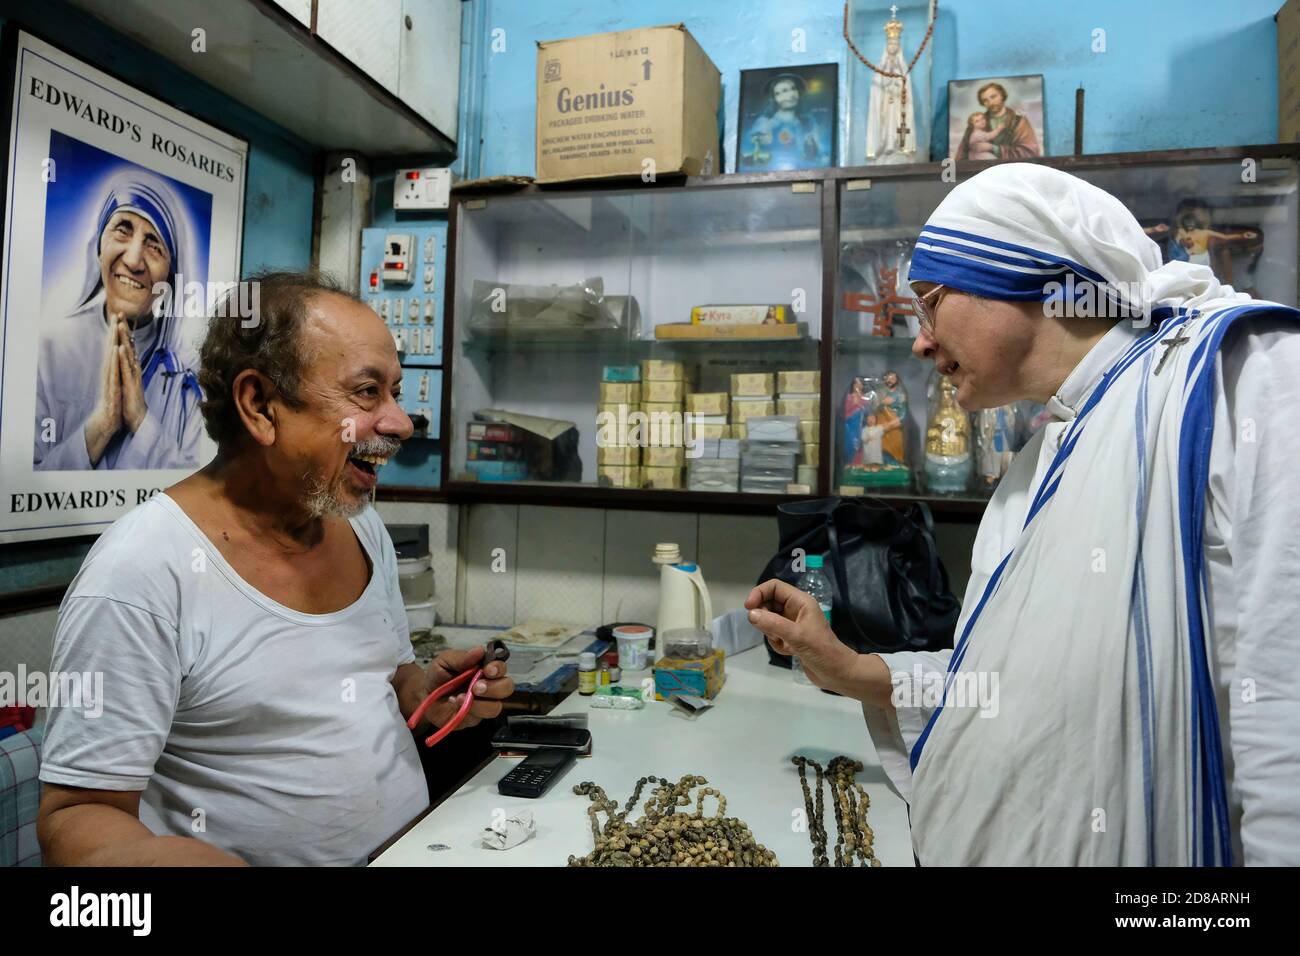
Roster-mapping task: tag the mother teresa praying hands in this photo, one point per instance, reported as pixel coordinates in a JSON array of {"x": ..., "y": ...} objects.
[{"x": 1133, "y": 577}]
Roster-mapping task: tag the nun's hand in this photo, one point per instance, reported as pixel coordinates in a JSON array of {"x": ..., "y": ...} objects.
[
  {"x": 792, "y": 620},
  {"x": 106, "y": 420},
  {"x": 134, "y": 408}
]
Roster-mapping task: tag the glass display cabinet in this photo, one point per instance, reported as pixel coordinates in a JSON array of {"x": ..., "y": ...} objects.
[
  {"x": 623, "y": 340},
  {"x": 759, "y": 330}
]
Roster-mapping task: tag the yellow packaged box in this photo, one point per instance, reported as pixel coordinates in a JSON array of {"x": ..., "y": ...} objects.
[
  {"x": 662, "y": 408},
  {"x": 741, "y": 315},
  {"x": 608, "y": 102},
  {"x": 810, "y": 381},
  {"x": 654, "y": 477},
  {"x": 619, "y": 476},
  {"x": 805, "y": 409},
  {"x": 662, "y": 457},
  {"x": 708, "y": 403},
  {"x": 753, "y": 385},
  {"x": 658, "y": 391},
  {"x": 658, "y": 370},
  {"x": 618, "y": 455},
  {"x": 810, "y": 432},
  {"x": 620, "y": 392},
  {"x": 809, "y": 454},
  {"x": 742, "y": 412},
  {"x": 697, "y": 677},
  {"x": 620, "y": 410},
  {"x": 736, "y": 430},
  {"x": 711, "y": 431}
]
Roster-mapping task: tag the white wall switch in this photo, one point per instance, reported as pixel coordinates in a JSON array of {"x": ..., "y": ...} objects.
[
  {"x": 428, "y": 188},
  {"x": 397, "y": 257}
]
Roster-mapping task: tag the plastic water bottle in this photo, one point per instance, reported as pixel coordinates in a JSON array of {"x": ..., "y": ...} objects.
[{"x": 813, "y": 581}]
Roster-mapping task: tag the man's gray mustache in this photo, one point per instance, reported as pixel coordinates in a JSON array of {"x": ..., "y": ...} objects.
[{"x": 379, "y": 447}]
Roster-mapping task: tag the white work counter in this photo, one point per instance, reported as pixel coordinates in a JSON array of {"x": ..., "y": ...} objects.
[{"x": 742, "y": 746}]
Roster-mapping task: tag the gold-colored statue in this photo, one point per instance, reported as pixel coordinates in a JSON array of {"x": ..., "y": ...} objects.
[{"x": 947, "y": 441}]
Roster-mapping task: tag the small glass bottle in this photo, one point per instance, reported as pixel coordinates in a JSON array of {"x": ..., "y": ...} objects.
[{"x": 587, "y": 676}]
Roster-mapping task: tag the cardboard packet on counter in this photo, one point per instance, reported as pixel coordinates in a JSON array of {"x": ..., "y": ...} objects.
[
  {"x": 804, "y": 409},
  {"x": 745, "y": 409},
  {"x": 662, "y": 457},
  {"x": 810, "y": 432},
  {"x": 619, "y": 476},
  {"x": 653, "y": 477},
  {"x": 658, "y": 370},
  {"x": 618, "y": 455},
  {"x": 708, "y": 403}
]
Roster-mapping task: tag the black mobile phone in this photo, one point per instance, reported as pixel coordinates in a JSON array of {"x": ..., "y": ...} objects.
[
  {"x": 536, "y": 772},
  {"x": 532, "y": 737}
]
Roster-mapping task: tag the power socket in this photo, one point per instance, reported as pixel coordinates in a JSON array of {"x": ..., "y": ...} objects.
[{"x": 428, "y": 188}]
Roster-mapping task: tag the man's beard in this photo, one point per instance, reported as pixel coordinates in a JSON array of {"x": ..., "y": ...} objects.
[{"x": 322, "y": 500}]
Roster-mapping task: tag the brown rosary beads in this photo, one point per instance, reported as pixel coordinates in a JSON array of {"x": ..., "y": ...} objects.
[
  {"x": 664, "y": 836},
  {"x": 853, "y": 837}
]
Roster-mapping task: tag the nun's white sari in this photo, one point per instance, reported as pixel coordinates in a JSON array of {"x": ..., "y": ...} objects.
[{"x": 1094, "y": 579}]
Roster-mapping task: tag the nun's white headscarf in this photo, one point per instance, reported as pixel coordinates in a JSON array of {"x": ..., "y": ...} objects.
[{"x": 1025, "y": 232}]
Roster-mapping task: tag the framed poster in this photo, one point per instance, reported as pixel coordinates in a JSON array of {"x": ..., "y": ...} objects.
[
  {"x": 997, "y": 117},
  {"x": 787, "y": 118},
  {"x": 123, "y": 218}
]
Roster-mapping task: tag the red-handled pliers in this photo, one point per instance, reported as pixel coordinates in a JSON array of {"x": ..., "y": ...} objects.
[{"x": 492, "y": 651}]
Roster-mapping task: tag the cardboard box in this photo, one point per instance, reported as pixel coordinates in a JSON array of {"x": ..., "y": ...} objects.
[
  {"x": 663, "y": 408},
  {"x": 618, "y": 455},
  {"x": 657, "y": 370},
  {"x": 656, "y": 477},
  {"x": 655, "y": 391},
  {"x": 711, "y": 431},
  {"x": 708, "y": 403},
  {"x": 1288, "y": 72},
  {"x": 612, "y": 103},
  {"x": 700, "y": 677},
  {"x": 753, "y": 385},
  {"x": 810, "y": 454},
  {"x": 804, "y": 409},
  {"x": 619, "y": 476},
  {"x": 810, "y": 432},
  {"x": 663, "y": 457},
  {"x": 743, "y": 411},
  {"x": 741, "y": 314},
  {"x": 621, "y": 373},
  {"x": 807, "y": 382},
  {"x": 620, "y": 392}
]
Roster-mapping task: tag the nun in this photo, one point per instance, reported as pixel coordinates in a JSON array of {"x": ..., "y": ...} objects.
[{"x": 116, "y": 384}]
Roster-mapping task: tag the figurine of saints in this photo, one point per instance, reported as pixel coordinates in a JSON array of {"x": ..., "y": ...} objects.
[
  {"x": 891, "y": 115},
  {"x": 874, "y": 443},
  {"x": 856, "y": 406},
  {"x": 947, "y": 441},
  {"x": 995, "y": 436}
]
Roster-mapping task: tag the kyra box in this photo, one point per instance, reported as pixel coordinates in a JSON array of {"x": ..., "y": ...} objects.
[{"x": 626, "y": 104}]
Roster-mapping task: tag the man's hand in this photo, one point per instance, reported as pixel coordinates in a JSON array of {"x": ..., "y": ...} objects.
[{"x": 492, "y": 688}]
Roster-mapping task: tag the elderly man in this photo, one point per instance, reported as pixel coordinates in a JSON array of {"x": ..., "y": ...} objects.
[
  {"x": 1133, "y": 579},
  {"x": 248, "y": 622}
]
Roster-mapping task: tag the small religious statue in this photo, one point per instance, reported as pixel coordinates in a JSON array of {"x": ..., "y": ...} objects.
[
  {"x": 874, "y": 438},
  {"x": 947, "y": 441},
  {"x": 995, "y": 438},
  {"x": 891, "y": 114}
]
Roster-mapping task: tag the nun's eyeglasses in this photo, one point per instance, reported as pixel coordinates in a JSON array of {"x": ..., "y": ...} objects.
[{"x": 925, "y": 308}]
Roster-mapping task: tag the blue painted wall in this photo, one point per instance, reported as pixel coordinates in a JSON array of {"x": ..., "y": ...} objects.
[
  {"x": 278, "y": 200},
  {"x": 1174, "y": 74}
]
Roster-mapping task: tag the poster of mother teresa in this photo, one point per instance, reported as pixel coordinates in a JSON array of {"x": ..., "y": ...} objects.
[{"x": 116, "y": 376}]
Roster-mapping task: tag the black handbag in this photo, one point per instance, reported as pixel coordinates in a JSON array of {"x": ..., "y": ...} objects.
[{"x": 890, "y": 588}]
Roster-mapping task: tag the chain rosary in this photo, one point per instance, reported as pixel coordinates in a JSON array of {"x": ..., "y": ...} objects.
[
  {"x": 853, "y": 836},
  {"x": 664, "y": 836},
  {"x": 929, "y": 31}
]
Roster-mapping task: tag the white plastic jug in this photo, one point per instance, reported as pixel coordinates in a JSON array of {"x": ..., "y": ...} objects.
[{"x": 683, "y": 595}]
